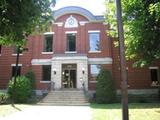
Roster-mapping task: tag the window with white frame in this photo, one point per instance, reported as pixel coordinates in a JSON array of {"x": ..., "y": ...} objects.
[
  {"x": 94, "y": 69},
  {"x": 46, "y": 72},
  {"x": 154, "y": 74},
  {"x": 71, "y": 42},
  {"x": 94, "y": 41},
  {"x": 48, "y": 43}
]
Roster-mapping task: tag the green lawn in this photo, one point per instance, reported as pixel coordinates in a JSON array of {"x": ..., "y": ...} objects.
[
  {"x": 9, "y": 109},
  {"x": 137, "y": 111}
]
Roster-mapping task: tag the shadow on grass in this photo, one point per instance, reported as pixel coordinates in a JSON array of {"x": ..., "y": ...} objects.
[
  {"x": 131, "y": 106},
  {"x": 16, "y": 107}
]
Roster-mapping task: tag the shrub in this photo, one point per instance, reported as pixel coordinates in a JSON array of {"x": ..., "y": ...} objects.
[
  {"x": 23, "y": 89},
  {"x": 31, "y": 76},
  {"x": 3, "y": 98},
  {"x": 105, "y": 90}
]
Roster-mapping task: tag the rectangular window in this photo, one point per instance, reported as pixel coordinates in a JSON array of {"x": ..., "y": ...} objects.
[
  {"x": 71, "y": 42},
  {"x": 46, "y": 72},
  {"x": 14, "y": 71},
  {"x": 94, "y": 70},
  {"x": 48, "y": 41},
  {"x": 94, "y": 41},
  {"x": 154, "y": 75}
]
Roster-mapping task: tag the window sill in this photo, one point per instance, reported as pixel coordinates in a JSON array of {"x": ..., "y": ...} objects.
[
  {"x": 71, "y": 52},
  {"x": 94, "y": 51},
  {"x": 45, "y": 53},
  {"x": 45, "y": 81},
  {"x": 16, "y": 54}
]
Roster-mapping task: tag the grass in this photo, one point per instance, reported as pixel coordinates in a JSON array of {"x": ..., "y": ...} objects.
[
  {"x": 137, "y": 111},
  {"x": 9, "y": 109}
]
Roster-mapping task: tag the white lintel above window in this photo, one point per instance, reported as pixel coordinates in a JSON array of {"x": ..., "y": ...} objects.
[
  {"x": 48, "y": 33},
  {"x": 15, "y": 64},
  {"x": 94, "y": 31},
  {"x": 70, "y": 32},
  {"x": 153, "y": 67}
]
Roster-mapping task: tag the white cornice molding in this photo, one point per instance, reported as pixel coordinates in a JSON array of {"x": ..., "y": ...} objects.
[
  {"x": 106, "y": 60},
  {"x": 82, "y": 23},
  {"x": 41, "y": 62}
]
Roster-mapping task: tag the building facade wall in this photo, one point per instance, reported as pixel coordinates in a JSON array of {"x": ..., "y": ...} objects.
[{"x": 107, "y": 57}]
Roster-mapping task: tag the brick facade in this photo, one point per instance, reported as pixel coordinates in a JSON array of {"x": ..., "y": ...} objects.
[{"x": 138, "y": 78}]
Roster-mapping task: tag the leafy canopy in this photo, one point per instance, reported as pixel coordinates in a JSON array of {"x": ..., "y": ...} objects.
[
  {"x": 19, "y": 18},
  {"x": 141, "y": 19}
]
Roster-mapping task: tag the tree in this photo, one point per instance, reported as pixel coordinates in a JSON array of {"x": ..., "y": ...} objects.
[
  {"x": 105, "y": 88},
  {"x": 19, "y": 18},
  {"x": 141, "y": 20}
]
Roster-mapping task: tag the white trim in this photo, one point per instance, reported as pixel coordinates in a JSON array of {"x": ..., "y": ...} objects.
[
  {"x": 93, "y": 31},
  {"x": 70, "y": 58},
  {"x": 68, "y": 32},
  {"x": 70, "y": 51},
  {"x": 41, "y": 61},
  {"x": 15, "y": 64},
  {"x": 82, "y": 23},
  {"x": 45, "y": 81},
  {"x": 45, "y": 53},
  {"x": 94, "y": 51},
  {"x": 106, "y": 60},
  {"x": 59, "y": 24},
  {"x": 154, "y": 67},
  {"x": 48, "y": 33},
  {"x": 14, "y": 54},
  {"x": 93, "y": 81}
]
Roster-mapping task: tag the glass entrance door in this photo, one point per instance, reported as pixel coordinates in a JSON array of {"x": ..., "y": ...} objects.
[{"x": 68, "y": 77}]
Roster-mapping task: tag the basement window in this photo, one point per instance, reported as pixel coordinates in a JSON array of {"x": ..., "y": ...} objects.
[
  {"x": 154, "y": 73},
  {"x": 47, "y": 44},
  {"x": 46, "y": 72}
]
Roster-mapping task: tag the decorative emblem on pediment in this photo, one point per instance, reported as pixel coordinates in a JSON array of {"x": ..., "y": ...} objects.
[{"x": 71, "y": 22}]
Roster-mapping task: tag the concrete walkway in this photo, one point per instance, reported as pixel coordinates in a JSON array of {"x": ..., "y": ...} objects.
[{"x": 52, "y": 113}]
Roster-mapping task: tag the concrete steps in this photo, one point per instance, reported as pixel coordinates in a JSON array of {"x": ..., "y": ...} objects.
[{"x": 65, "y": 98}]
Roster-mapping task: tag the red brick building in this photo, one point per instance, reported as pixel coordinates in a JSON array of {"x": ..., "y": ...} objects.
[{"x": 71, "y": 53}]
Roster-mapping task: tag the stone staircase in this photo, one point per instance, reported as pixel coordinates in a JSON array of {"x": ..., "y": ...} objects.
[{"x": 65, "y": 98}]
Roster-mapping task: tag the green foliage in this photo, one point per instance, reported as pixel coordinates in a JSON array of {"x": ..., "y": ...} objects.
[
  {"x": 105, "y": 90},
  {"x": 3, "y": 97},
  {"x": 141, "y": 29},
  {"x": 18, "y": 18},
  {"x": 31, "y": 76},
  {"x": 23, "y": 89}
]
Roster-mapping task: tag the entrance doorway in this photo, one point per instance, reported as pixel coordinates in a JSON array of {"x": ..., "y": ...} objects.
[{"x": 69, "y": 75}]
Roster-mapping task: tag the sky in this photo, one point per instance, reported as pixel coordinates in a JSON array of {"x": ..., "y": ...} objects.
[{"x": 96, "y": 7}]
